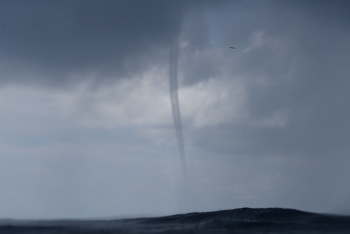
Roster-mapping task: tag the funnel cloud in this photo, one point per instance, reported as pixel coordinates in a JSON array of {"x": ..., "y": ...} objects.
[{"x": 174, "y": 98}]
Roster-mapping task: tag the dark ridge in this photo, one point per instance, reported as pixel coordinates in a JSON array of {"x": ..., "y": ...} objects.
[{"x": 244, "y": 220}]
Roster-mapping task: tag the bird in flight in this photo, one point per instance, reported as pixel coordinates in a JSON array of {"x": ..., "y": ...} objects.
[{"x": 232, "y": 47}]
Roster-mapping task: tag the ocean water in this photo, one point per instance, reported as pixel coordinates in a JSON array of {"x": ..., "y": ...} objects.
[{"x": 245, "y": 220}]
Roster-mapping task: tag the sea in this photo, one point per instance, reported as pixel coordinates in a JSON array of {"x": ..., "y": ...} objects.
[{"x": 238, "y": 221}]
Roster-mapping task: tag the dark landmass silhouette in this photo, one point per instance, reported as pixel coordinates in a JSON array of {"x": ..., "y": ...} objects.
[{"x": 244, "y": 220}]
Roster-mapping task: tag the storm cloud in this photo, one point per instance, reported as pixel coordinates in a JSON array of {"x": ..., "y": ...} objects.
[
  {"x": 86, "y": 118},
  {"x": 296, "y": 75},
  {"x": 57, "y": 40}
]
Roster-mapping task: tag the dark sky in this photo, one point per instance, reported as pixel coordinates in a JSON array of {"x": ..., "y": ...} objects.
[
  {"x": 86, "y": 119},
  {"x": 108, "y": 38}
]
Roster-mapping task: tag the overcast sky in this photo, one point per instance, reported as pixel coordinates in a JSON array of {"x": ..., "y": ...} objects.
[{"x": 86, "y": 126}]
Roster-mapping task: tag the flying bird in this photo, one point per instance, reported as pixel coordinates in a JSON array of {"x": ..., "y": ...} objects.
[{"x": 232, "y": 47}]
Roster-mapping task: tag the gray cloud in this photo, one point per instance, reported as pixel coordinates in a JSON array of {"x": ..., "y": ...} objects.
[
  {"x": 290, "y": 68},
  {"x": 305, "y": 72},
  {"x": 55, "y": 39}
]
